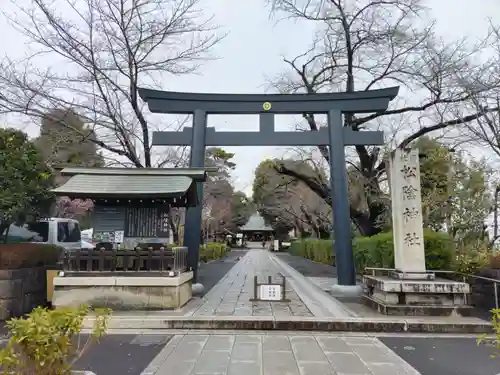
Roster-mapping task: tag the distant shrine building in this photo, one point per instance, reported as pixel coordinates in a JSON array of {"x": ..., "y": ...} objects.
[{"x": 256, "y": 229}]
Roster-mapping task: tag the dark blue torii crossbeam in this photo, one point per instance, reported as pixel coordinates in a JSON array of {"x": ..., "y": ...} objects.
[
  {"x": 272, "y": 138},
  {"x": 335, "y": 135}
]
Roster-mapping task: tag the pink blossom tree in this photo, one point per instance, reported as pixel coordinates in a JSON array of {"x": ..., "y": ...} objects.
[{"x": 70, "y": 208}]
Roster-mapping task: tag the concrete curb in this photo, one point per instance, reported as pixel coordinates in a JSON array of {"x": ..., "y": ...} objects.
[
  {"x": 389, "y": 325},
  {"x": 319, "y": 302}
]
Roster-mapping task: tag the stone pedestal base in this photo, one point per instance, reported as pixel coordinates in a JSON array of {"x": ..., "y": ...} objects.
[
  {"x": 349, "y": 291},
  {"x": 438, "y": 297},
  {"x": 124, "y": 292},
  {"x": 398, "y": 275}
]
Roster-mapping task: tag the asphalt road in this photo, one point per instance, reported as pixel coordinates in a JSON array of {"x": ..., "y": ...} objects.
[
  {"x": 445, "y": 356},
  {"x": 122, "y": 354},
  {"x": 209, "y": 274}
]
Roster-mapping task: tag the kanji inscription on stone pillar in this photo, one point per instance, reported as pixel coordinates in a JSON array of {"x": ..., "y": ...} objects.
[{"x": 404, "y": 178}]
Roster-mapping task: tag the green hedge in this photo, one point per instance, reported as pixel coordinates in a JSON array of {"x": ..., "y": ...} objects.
[
  {"x": 378, "y": 251},
  {"x": 212, "y": 251},
  {"x": 317, "y": 250}
]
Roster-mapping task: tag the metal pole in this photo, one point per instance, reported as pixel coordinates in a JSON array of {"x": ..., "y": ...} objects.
[
  {"x": 496, "y": 295},
  {"x": 192, "y": 227},
  {"x": 346, "y": 272}
]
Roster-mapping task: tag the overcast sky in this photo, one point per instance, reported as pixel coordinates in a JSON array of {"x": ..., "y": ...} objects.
[{"x": 254, "y": 49}]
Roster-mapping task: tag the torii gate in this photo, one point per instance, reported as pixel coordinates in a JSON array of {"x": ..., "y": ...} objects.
[{"x": 335, "y": 136}]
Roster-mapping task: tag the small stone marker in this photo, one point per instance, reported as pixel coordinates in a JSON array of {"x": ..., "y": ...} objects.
[{"x": 269, "y": 291}]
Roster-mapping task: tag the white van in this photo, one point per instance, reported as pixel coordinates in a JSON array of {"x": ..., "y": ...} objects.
[{"x": 54, "y": 231}]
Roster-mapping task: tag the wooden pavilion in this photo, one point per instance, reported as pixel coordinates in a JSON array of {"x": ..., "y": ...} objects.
[
  {"x": 132, "y": 266},
  {"x": 132, "y": 203}
]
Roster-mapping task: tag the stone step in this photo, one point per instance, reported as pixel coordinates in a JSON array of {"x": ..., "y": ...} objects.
[{"x": 364, "y": 324}]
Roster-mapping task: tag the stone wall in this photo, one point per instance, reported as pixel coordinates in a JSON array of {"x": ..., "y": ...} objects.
[
  {"x": 483, "y": 292},
  {"x": 21, "y": 290}
]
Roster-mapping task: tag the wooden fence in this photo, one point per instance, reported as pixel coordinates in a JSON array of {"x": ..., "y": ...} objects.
[{"x": 138, "y": 262}]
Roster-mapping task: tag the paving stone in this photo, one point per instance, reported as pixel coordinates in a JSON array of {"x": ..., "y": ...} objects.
[
  {"x": 276, "y": 343},
  {"x": 307, "y": 349},
  {"x": 372, "y": 353},
  {"x": 248, "y": 338},
  {"x": 187, "y": 351},
  {"x": 279, "y": 363},
  {"x": 242, "y": 312},
  {"x": 316, "y": 368},
  {"x": 224, "y": 313},
  {"x": 194, "y": 339},
  {"x": 386, "y": 369},
  {"x": 360, "y": 340},
  {"x": 333, "y": 344},
  {"x": 212, "y": 362},
  {"x": 219, "y": 342},
  {"x": 176, "y": 367},
  {"x": 245, "y": 368},
  {"x": 246, "y": 351},
  {"x": 347, "y": 363}
]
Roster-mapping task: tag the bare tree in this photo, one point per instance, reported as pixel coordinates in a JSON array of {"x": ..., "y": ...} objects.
[
  {"x": 288, "y": 203},
  {"x": 363, "y": 45},
  {"x": 100, "y": 52},
  {"x": 485, "y": 131}
]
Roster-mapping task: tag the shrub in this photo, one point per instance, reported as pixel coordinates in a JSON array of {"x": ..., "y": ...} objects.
[
  {"x": 375, "y": 251},
  {"x": 48, "y": 342},
  {"x": 469, "y": 259},
  {"x": 378, "y": 251},
  {"x": 212, "y": 251},
  {"x": 439, "y": 250},
  {"x": 495, "y": 322},
  {"x": 25, "y": 255},
  {"x": 320, "y": 251}
]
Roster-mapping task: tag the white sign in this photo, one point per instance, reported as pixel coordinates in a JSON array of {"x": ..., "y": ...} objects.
[
  {"x": 119, "y": 234},
  {"x": 270, "y": 292},
  {"x": 276, "y": 245}
]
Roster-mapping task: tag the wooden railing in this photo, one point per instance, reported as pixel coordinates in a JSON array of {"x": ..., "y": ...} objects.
[{"x": 142, "y": 261}]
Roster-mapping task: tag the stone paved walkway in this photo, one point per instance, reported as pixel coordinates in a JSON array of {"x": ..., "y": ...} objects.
[
  {"x": 277, "y": 354},
  {"x": 231, "y": 296}
]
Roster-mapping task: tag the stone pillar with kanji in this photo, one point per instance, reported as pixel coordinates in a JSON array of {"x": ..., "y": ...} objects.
[
  {"x": 404, "y": 180},
  {"x": 410, "y": 289}
]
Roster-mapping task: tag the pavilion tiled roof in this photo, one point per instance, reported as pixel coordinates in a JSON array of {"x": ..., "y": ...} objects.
[
  {"x": 132, "y": 183},
  {"x": 256, "y": 223}
]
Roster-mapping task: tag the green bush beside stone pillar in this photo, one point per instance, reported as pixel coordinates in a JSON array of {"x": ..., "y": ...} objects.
[{"x": 378, "y": 251}]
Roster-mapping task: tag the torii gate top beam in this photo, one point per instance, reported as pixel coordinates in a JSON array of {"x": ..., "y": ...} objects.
[{"x": 186, "y": 103}]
